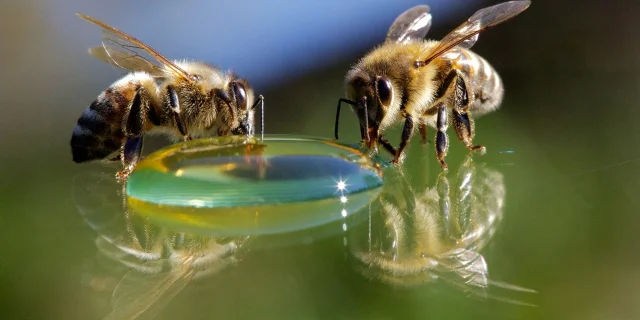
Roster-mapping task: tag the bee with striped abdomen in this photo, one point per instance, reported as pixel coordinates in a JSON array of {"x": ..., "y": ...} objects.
[
  {"x": 180, "y": 99},
  {"x": 430, "y": 82}
]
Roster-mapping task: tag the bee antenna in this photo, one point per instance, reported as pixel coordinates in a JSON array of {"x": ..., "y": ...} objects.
[{"x": 340, "y": 101}]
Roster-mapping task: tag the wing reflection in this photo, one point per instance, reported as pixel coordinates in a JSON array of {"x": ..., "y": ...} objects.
[
  {"x": 425, "y": 234},
  {"x": 154, "y": 263}
]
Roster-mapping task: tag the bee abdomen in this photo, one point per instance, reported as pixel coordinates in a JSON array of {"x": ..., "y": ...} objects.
[
  {"x": 491, "y": 85},
  {"x": 97, "y": 133},
  {"x": 485, "y": 83}
]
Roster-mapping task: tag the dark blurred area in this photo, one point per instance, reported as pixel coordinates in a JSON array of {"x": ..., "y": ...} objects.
[{"x": 570, "y": 70}]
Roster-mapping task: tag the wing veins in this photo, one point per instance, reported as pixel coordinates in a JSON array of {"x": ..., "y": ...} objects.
[
  {"x": 480, "y": 21},
  {"x": 414, "y": 23},
  {"x": 131, "y": 44}
]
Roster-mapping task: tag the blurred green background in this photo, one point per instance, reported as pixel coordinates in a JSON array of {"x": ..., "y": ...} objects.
[{"x": 565, "y": 140}]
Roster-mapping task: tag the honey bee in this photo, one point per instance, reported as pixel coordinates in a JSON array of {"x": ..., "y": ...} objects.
[
  {"x": 180, "y": 99},
  {"x": 427, "y": 81}
]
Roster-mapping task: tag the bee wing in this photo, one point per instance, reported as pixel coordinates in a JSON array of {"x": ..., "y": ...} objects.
[
  {"x": 466, "y": 34},
  {"x": 138, "y": 294},
  {"x": 127, "y": 60},
  {"x": 411, "y": 24},
  {"x": 127, "y": 52}
]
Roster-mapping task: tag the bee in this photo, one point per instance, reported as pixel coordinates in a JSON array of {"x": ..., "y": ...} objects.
[
  {"x": 433, "y": 83},
  {"x": 180, "y": 99}
]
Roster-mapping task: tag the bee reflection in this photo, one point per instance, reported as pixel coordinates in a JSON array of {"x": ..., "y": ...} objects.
[
  {"x": 433, "y": 233},
  {"x": 153, "y": 264}
]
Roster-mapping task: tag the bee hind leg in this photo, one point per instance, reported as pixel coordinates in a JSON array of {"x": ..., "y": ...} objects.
[
  {"x": 462, "y": 120},
  {"x": 130, "y": 155},
  {"x": 114, "y": 158},
  {"x": 132, "y": 147},
  {"x": 463, "y": 123}
]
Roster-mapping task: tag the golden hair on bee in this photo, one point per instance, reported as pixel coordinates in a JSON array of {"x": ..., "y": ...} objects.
[
  {"x": 433, "y": 83},
  {"x": 179, "y": 99}
]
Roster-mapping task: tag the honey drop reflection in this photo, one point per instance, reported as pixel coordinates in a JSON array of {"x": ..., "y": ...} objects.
[
  {"x": 153, "y": 263},
  {"x": 424, "y": 234}
]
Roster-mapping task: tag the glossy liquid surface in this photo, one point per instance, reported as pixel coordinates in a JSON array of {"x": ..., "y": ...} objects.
[{"x": 237, "y": 185}]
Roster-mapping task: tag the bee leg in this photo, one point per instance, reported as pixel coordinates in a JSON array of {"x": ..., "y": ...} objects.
[
  {"x": 407, "y": 132},
  {"x": 174, "y": 103},
  {"x": 423, "y": 132},
  {"x": 462, "y": 120},
  {"x": 260, "y": 100},
  {"x": 131, "y": 151},
  {"x": 335, "y": 130},
  {"x": 442, "y": 141},
  {"x": 387, "y": 145},
  {"x": 220, "y": 94},
  {"x": 132, "y": 147}
]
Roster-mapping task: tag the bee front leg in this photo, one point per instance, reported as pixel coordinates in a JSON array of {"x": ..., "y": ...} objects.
[
  {"x": 462, "y": 120},
  {"x": 442, "y": 141},
  {"x": 363, "y": 133},
  {"x": 174, "y": 103},
  {"x": 387, "y": 145},
  {"x": 260, "y": 101},
  {"x": 407, "y": 132},
  {"x": 223, "y": 96},
  {"x": 133, "y": 127}
]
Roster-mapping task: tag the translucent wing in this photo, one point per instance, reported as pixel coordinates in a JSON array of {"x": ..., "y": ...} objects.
[
  {"x": 126, "y": 51},
  {"x": 468, "y": 43},
  {"x": 467, "y": 33},
  {"x": 127, "y": 60},
  {"x": 143, "y": 296},
  {"x": 411, "y": 24},
  {"x": 97, "y": 198}
]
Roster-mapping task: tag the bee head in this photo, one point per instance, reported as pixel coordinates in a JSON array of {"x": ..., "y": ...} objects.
[{"x": 371, "y": 97}]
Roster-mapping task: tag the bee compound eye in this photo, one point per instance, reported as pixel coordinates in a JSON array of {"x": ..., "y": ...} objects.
[
  {"x": 240, "y": 94},
  {"x": 385, "y": 90}
]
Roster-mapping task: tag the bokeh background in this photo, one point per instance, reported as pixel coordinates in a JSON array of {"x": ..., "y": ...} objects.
[{"x": 568, "y": 122}]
